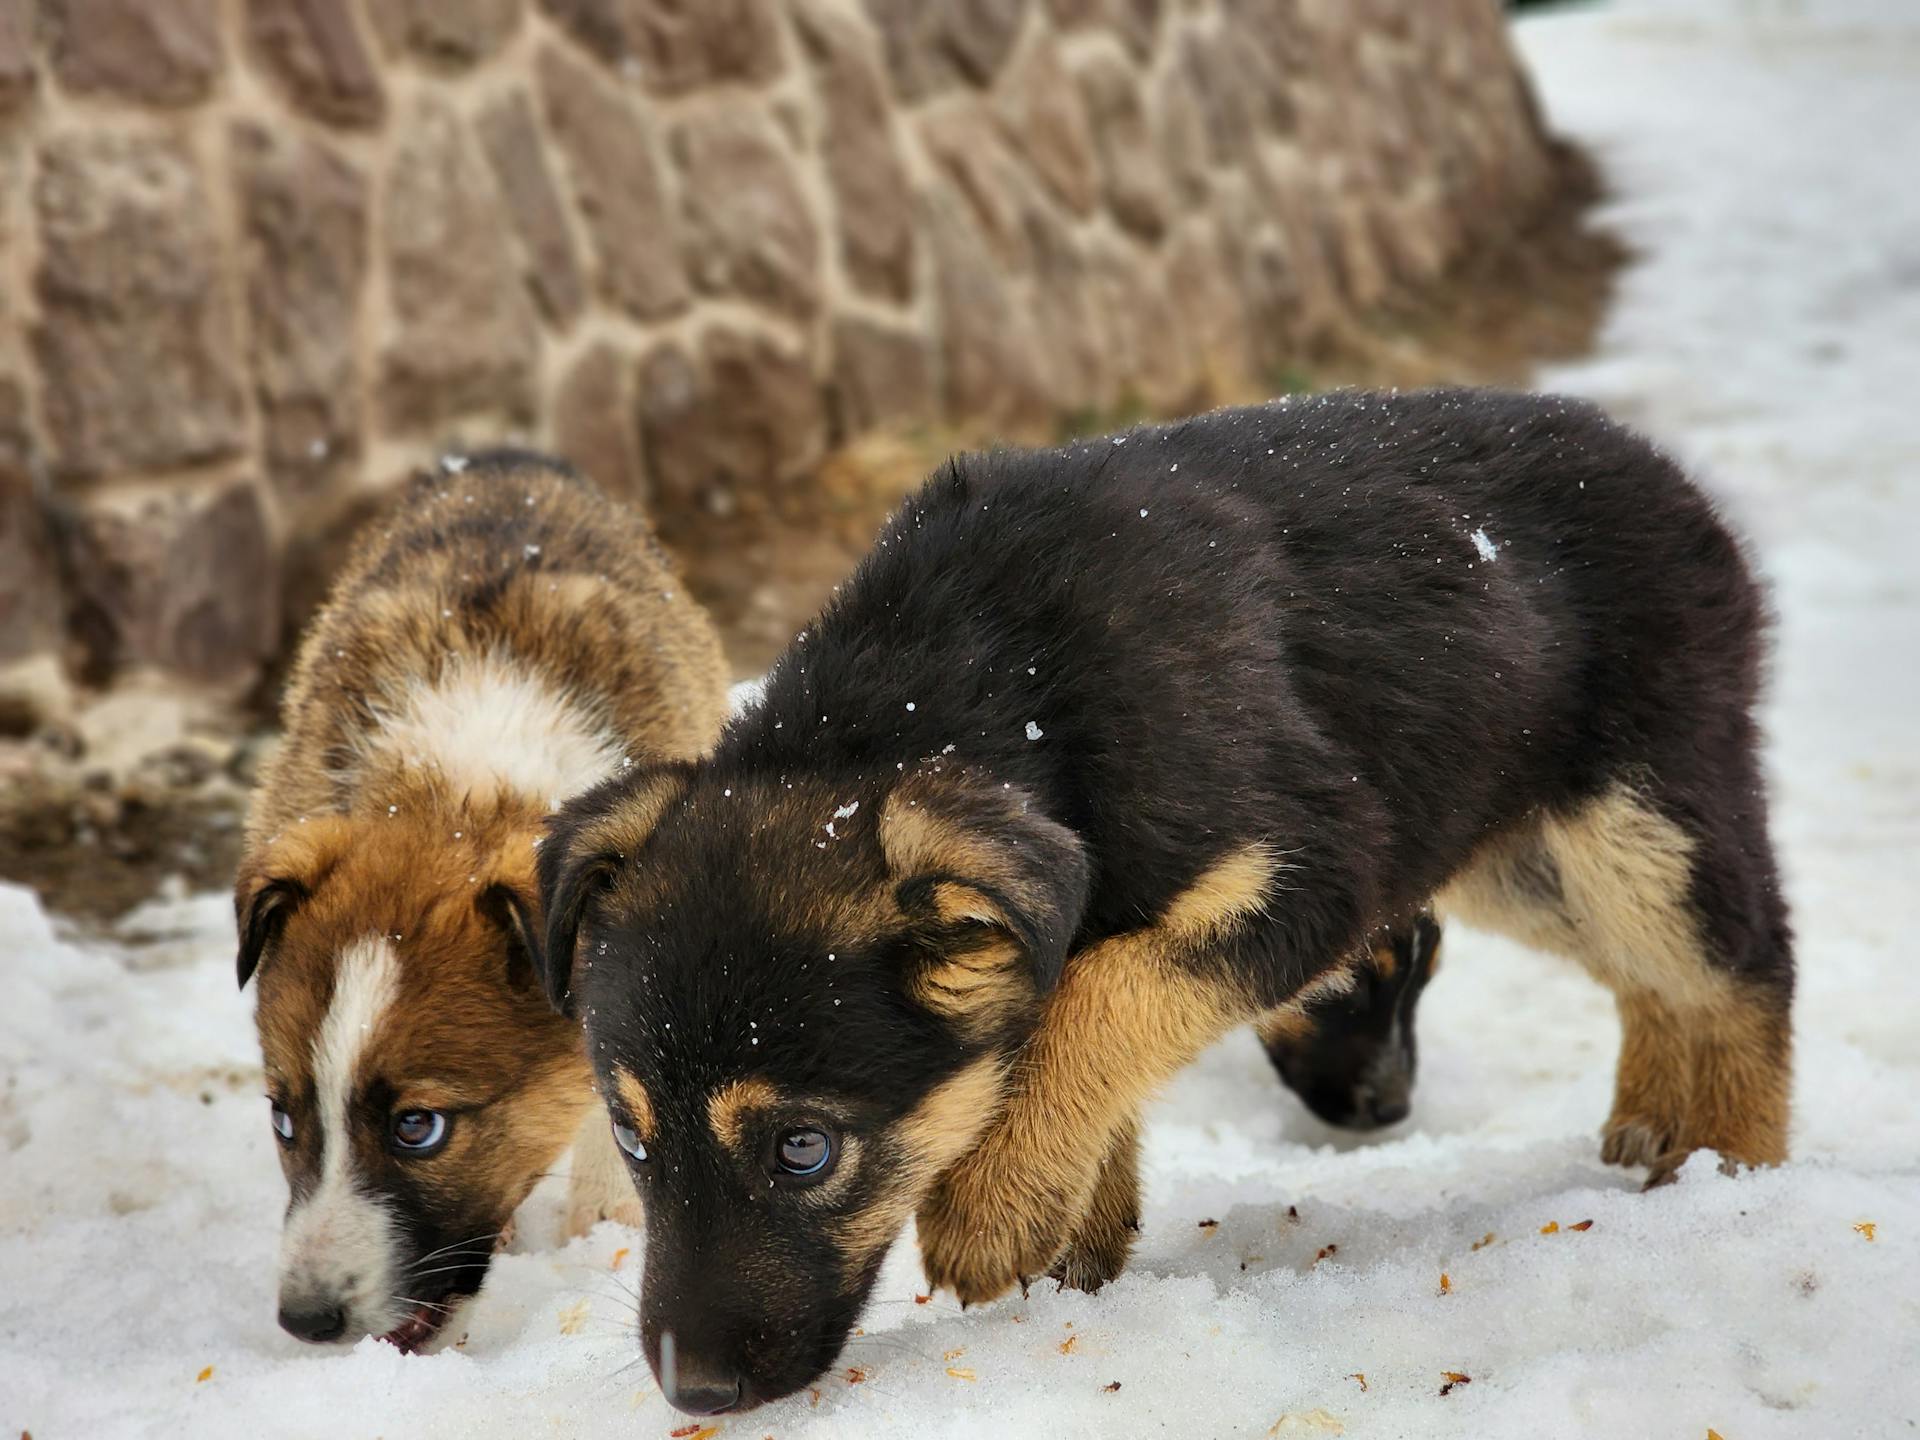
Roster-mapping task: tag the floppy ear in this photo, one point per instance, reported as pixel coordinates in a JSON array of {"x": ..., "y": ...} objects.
[
  {"x": 261, "y": 909},
  {"x": 966, "y": 857},
  {"x": 276, "y": 882},
  {"x": 587, "y": 846},
  {"x": 511, "y": 907}
]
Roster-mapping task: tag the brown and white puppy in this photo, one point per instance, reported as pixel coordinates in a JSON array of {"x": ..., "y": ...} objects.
[{"x": 504, "y": 639}]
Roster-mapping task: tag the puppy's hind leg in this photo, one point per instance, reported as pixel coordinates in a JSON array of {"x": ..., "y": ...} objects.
[{"x": 1685, "y": 925}]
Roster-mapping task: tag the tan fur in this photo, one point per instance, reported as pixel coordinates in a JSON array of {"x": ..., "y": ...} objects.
[
  {"x": 976, "y": 987},
  {"x": 649, "y": 665},
  {"x": 636, "y": 1102},
  {"x": 1228, "y": 892},
  {"x": 1386, "y": 964},
  {"x": 593, "y": 626},
  {"x": 1705, "y": 1061},
  {"x": 925, "y": 1143},
  {"x": 918, "y": 839},
  {"x": 625, "y": 827},
  {"x": 1104, "y": 1237},
  {"x": 728, "y": 1107},
  {"x": 1127, "y": 1014}
]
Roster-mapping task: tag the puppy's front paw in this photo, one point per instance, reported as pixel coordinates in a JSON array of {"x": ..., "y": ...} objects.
[
  {"x": 1634, "y": 1141},
  {"x": 986, "y": 1228},
  {"x": 1103, "y": 1239}
]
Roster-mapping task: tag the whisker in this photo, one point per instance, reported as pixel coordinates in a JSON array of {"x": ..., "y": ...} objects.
[
  {"x": 488, "y": 1235},
  {"x": 414, "y": 1275},
  {"x": 423, "y": 1304}
]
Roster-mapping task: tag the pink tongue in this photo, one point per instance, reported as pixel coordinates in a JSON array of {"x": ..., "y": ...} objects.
[{"x": 414, "y": 1331}]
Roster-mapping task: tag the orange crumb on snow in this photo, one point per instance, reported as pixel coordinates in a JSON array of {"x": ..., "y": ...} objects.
[
  {"x": 1552, "y": 1227},
  {"x": 1446, "y": 1283},
  {"x": 1361, "y": 1376},
  {"x": 961, "y": 1374},
  {"x": 1583, "y": 1225},
  {"x": 1865, "y": 1228},
  {"x": 619, "y": 1258},
  {"x": 204, "y": 1376},
  {"x": 1483, "y": 1241}
]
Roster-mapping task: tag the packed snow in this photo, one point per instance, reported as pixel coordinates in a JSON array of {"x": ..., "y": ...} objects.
[{"x": 1291, "y": 1281}]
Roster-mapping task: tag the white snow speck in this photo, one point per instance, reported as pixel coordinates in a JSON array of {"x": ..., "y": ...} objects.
[
  {"x": 529, "y": 551},
  {"x": 1034, "y": 732},
  {"x": 1484, "y": 544},
  {"x": 453, "y": 465},
  {"x": 1143, "y": 512}
]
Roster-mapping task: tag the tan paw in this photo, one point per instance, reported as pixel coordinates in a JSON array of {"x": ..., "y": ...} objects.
[
  {"x": 981, "y": 1236},
  {"x": 1103, "y": 1239},
  {"x": 1093, "y": 1257},
  {"x": 1632, "y": 1141}
]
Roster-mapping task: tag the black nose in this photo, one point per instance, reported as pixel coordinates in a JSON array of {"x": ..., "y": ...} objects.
[
  {"x": 317, "y": 1325},
  {"x": 705, "y": 1397},
  {"x": 1390, "y": 1110}
]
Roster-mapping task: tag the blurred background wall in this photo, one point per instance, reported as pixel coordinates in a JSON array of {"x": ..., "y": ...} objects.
[{"x": 264, "y": 256}]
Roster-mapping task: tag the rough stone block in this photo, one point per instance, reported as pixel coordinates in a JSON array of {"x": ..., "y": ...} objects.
[{"x": 137, "y": 337}]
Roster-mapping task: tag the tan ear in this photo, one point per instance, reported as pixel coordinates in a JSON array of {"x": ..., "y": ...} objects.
[
  {"x": 969, "y": 857},
  {"x": 276, "y": 880}
]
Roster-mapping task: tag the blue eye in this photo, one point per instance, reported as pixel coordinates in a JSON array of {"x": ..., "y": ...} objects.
[
  {"x": 282, "y": 1125},
  {"x": 804, "y": 1154},
  {"x": 419, "y": 1132},
  {"x": 628, "y": 1139}
]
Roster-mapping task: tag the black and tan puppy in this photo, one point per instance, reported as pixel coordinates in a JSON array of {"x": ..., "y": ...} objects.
[
  {"x": 1107, "y": 749},
  {"x": 503, "y": 639},
  {"x": 1351, "y": 1057}
]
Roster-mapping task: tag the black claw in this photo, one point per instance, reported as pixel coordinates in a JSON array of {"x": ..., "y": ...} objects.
[{"x": 1024, "y": 1282}]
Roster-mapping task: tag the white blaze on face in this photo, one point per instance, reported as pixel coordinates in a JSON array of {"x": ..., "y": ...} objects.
[{"x": 338, "y": 1246}]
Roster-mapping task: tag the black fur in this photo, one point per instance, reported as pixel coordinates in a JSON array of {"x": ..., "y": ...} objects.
[
  {"x": 1356, "y": 1068},
  {"x": 1274, "y": 624}
]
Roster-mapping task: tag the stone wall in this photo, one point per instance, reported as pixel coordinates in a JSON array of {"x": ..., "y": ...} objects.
[{"x": 263, "y": 256}]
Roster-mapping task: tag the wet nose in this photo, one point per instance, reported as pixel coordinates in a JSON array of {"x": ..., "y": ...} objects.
[
  {"x": 1390, "y": 1109},
  {"x": 696, "y": 1382},
  {"x": 315, "y": 1324},
  {"x": 705, "y": 1397}
]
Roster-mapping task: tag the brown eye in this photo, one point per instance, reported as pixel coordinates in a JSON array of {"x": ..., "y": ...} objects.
[
  {"x": 804, "y": 1154},
  {"x": 419, "y": 1132}
]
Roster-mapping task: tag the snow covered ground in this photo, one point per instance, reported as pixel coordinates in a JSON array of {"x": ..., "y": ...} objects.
[{"x": 1764, "y": 156}]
